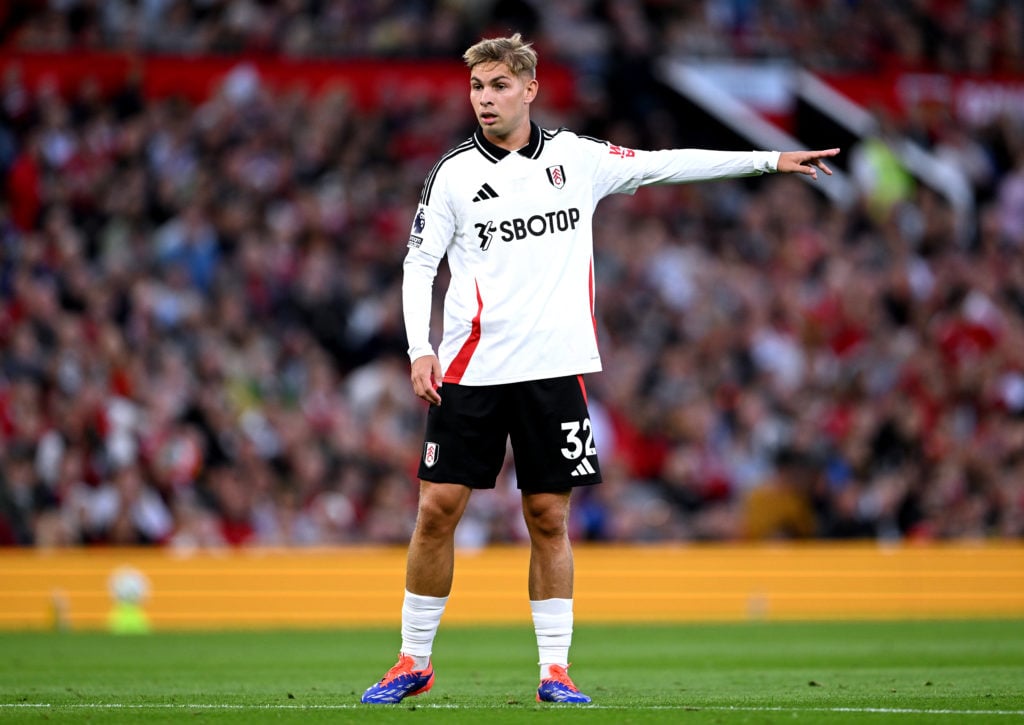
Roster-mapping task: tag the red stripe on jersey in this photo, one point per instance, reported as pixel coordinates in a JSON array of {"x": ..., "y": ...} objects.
[
  {"x": 458, "y": 367},
  {"x": 590, "y": 286},
  {"x": 583, "y": 389}
]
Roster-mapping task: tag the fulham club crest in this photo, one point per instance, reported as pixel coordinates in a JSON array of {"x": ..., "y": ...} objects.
[
  {"x": 430, "y": 453},
  {"x": 556, "y": 175}
]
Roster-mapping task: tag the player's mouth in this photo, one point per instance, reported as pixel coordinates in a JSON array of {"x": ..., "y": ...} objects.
[{"x": 488, "y": 118}]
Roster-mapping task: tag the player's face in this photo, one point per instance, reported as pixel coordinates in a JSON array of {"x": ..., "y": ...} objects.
[{"x": 501, "y": 99}]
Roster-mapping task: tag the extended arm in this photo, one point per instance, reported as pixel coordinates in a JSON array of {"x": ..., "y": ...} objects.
[{"x": 621, "y": 170}]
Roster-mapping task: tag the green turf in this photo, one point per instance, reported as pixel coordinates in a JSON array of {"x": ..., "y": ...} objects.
[{"x": 905, "y": 672}]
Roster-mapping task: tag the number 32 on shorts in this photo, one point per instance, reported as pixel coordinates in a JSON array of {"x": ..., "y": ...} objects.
[{"x": 577, "y": 445}]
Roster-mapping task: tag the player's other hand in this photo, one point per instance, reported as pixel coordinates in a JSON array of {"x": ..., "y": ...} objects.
[
  {"x": 805, "y": 162},
  {"x": 426, "y": 378}
]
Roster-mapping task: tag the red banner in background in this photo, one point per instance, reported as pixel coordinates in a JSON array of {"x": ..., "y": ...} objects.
[
  {"x": 975, "y": 100},
  {"x": 371, "y": 83}
]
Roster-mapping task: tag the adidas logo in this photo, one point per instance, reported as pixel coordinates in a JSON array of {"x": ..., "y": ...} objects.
[
  {"x": 485, "y": 193},
  {"x": 583, "y": 468}
]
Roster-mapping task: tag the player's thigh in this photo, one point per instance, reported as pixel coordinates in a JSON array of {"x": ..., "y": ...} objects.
[
  {"x": 552, "y": 437},
  {"x": 465, "y": 437}
]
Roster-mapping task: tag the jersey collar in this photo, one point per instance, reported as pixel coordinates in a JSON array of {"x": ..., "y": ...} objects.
[{"x": 496, "y": 153}]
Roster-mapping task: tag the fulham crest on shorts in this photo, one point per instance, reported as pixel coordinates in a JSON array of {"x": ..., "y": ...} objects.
[{"x": 430, "y": 453}]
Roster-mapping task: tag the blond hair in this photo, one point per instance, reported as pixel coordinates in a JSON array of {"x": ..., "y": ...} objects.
[{"x": 518, "y": 55}]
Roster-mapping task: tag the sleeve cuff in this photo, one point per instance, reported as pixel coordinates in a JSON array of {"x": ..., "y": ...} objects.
[
  {"x": 419, "y": 351},
  {"x": 766, "y": 162}
]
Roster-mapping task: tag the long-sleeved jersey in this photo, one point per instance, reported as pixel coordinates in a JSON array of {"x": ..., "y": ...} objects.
[{"x": 517, "y": 231}]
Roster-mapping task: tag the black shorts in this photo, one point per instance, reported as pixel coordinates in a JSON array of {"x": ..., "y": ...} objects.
[{"x": 546, "y": 420}]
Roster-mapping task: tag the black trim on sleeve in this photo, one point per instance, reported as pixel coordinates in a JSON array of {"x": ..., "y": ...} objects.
[{"x": 428, "y": 185}]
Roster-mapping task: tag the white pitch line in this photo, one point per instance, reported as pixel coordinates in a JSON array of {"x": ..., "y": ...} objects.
[{"x": 441, "y": 706}]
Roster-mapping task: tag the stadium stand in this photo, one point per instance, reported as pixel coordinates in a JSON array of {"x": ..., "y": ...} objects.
[{"x": 200, "y": 328}]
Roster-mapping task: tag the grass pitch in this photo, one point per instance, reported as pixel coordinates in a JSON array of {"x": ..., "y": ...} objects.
[{"x": 868, "y": 672}]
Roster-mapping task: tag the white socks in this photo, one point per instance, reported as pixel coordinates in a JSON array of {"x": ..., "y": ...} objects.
[
  {"x": 552, "y": 620},
  {"x": 421, "y": 616}
]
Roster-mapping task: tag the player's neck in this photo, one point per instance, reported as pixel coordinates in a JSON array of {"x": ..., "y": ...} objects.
[{"x": 513, "y": 140}]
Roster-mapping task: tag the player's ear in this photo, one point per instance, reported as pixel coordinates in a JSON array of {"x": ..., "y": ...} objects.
[{"x": 531, "y": 90}]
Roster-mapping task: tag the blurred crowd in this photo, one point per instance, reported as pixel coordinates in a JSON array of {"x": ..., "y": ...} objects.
[
  {"x": 201, "y": 340},
  {"x": 950, "y": 35}
]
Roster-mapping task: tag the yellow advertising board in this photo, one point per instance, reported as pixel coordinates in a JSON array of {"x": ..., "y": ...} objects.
[{"x": 362, "y": 586}]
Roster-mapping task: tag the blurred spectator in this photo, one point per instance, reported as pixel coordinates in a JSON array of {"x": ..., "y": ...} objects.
[
  {"x": 126, "y": 510},
  {"x": 1010, "y": 199},
  {"x": 780, "y": 508},
  {"x": 883, "y": 180},
  {"x": 20, "y": 499}
]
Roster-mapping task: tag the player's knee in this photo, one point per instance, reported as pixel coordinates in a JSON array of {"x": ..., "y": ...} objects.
[
  {"x": 438, "y": 516},
  {"x": 547, "y": 522}
]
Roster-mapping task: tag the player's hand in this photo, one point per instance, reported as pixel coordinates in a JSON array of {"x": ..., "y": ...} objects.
[
  {"x": 426, "y": 378},
  {"x": 805, "y": 162}
]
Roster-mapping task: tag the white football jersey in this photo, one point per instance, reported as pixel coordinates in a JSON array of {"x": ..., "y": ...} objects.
[{"x": 517, "y": 231}]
